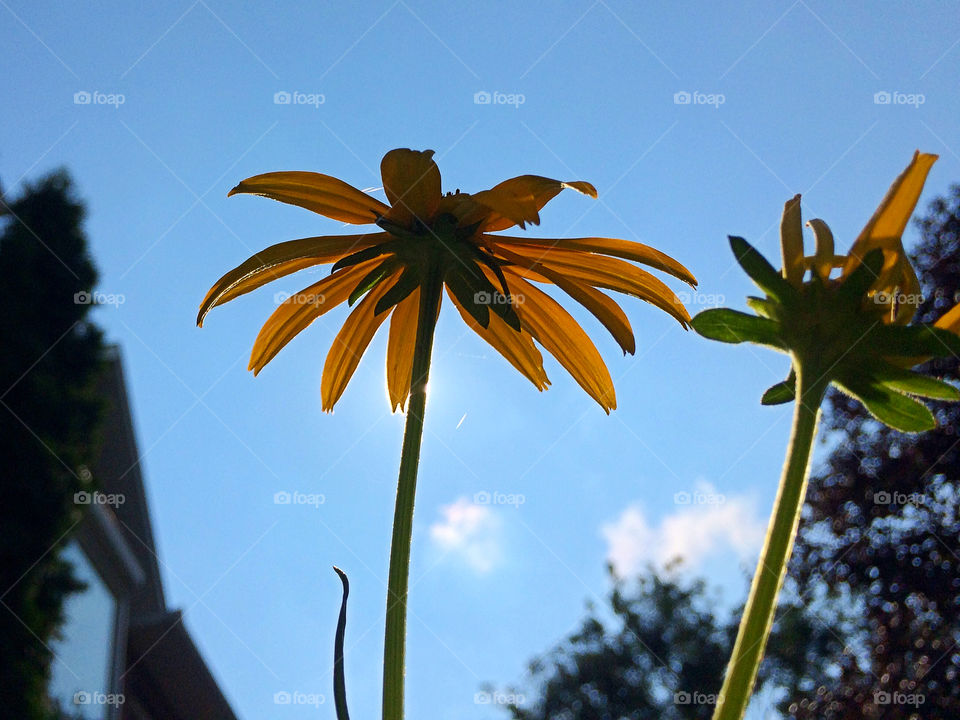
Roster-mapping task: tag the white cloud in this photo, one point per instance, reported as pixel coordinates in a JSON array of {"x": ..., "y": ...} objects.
[
  {"x": 705, "y": 524},
  {"x": 470, "y": 532}
]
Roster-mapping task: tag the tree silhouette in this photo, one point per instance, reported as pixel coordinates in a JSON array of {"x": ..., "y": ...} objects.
[{"x": 48, "y": 417}]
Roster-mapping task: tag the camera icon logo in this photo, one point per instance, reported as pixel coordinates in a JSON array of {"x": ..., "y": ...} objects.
[
  {"x": 481, "y": 498},
  {"x": 881, "y": 98},
  {"x": 882, "y": 498},
  {"x": 82, "y": 498},
  {"x": 281, "y": 97},
  {"x": 682, "y": 498},
  {"x": 281, "y": 498},
  {"x": 82, "y": 98},
  {"x": 481, "y": 97},
  {"x": 82, "y": 697},
  {"x": 881, "y": 697},
  {"x": 681, "y": 698},
  {"x": 281, "y": 698},
  {"x": 82, "y": 298},
  {"x": 483, "y": 298},
  {"x": 482, "y": 698},
  {"x": 681, "y": 98}
]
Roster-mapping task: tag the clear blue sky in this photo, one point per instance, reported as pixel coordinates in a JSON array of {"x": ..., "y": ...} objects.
[{"x": 491, "y": 585}]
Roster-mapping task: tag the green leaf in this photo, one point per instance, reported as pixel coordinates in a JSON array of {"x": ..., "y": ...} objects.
[
  {"x": 912, "y": 383},
  {"x": 859, "y": 281},
  {"x": 782, "y": 392},
  {"x": 408, "y": 282},
  {"x": 762, "y": 272},
  {"x": 888, "y": 406},
  {"x": 339, "y": 680},
  {"x": 913, "y": 340},
  {"x": 731, "y": 326},
  {"x": 371, "y": 280}
]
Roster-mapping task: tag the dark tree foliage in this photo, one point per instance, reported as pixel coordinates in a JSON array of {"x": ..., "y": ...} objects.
[
  {"x": 49, "y": 364},
  {"x": 660, "y": 655},
  {"x": 874, "y": 627}
]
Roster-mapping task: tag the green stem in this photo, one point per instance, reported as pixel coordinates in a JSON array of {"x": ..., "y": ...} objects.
[
  {"x": 394, "y": 647},
  {"x": 758, "y": 614}
]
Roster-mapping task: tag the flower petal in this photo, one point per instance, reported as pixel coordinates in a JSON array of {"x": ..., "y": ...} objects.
[
  {"x": 602, "y": 307},
  {"x": 823, "y": 255},
  {"x": 403, "y": 335},
  {"x": 950, "y": 320},
  {"x": 350, "y": 344},
  {"x": 601, "y": 271},
  {"x": 411, "y": 180},
  {"x": 299, "y": 310},
  {"x": 791, "y": 241},
  {"x": 555, "y": 329},
  {"x": 519, "y": 200},
  {"x": 614, "y": 247},
  {"x": 322, "y": 194},
  {"x": 282, "y": 259},
  {"x": 516, "y": 347},
  {"x": 885, "y": 228}
]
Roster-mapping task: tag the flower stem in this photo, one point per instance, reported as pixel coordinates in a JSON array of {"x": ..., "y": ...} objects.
[
  {"x": 394, "y": 647},
  {"x": 758, "y": 614}
]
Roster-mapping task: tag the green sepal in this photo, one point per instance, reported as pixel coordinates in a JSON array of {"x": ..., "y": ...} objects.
[
  {"x": 783, "y": 392},
  {"x": 913, "y": 340},
  {"x": 363, "y": 255},
  {"x": 371, "y": 280},
  {"x": 764, "y": 307},
  {"x": 766, "y": 277},
  {"x": 864, "y": 275},
  {"x": 409, "y": 281},
  {"x": 472, "y": 287},
  {"x": 732, "y": 326},
  {"x": 911, "y": 383},
  {"x": 457, "y": 281},
  {"x": 888, "y": 406}
]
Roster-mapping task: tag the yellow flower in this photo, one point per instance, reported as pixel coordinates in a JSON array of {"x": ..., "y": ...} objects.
[
  {"x": 488, "y": 278},
  {"x": 896, "y": 289},
  {"x": 852, "y": 330}
]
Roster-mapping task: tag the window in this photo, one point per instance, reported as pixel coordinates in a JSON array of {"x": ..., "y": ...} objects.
[{"x": 83, "y": 655}]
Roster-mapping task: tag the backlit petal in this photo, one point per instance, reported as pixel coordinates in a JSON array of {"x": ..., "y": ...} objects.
[
  {"x": 350, "y": 344},
  {"x": 403, "y": 335},
  {"x": 411, "y": 180},
  {"x": 519, "y": 200},
  {"x": 282, "y": 259},
  {"x": 555, "y": 329},
  {"x": 320, "y": 193},
  {"x": 791, "y": 241},
  {"x": 298, "y": 311},
  {"x": 614, "y": 247},
  {"x": 516, "y": 347}
]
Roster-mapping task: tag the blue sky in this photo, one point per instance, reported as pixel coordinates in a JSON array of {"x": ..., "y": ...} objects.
[{"x": 783, "y": 100}]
